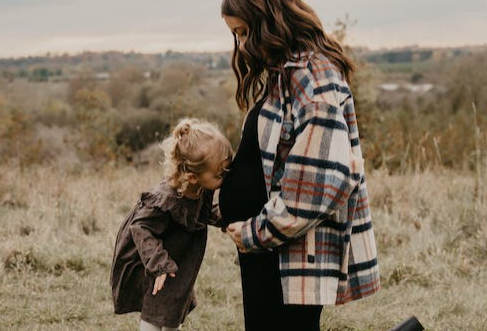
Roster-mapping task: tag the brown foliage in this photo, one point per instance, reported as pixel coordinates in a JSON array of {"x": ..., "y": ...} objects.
[
  {"x": 18, "y": 139},
  {"x": 82, "y": 81},
  {"x": 120, "y": 84},
  {"x": 402, "y": 130},
  {"x": 92, "y": 99}
]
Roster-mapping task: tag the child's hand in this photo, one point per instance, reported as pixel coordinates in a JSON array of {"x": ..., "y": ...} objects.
[{"x": 159, "y": 282}]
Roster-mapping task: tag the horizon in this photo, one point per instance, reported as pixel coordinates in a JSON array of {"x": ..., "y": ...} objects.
[
  {"x": 78, "y": 53},
  {"x": 36, "y": 28}
]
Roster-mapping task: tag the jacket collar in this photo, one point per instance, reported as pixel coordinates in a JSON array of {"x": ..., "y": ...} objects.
[
  {"x": 299, "y": 60},
  {"x": 184, "y": 211}
]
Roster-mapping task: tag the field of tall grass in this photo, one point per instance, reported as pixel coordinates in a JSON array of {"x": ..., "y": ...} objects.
[
  {"x": 76, "y": 152},
  {"x": 58, "y": 226}
]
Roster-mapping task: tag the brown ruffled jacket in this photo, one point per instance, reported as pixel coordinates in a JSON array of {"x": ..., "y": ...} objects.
[{"x": 163, "y": 233}]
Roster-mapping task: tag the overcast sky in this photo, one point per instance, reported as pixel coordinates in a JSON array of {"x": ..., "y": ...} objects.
[{"x": 34, "y": 27}]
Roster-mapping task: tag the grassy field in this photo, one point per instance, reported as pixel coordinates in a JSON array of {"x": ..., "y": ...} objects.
[{"x": 58, "y": 226}]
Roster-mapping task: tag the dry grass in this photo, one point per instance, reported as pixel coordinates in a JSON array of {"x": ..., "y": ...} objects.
[{"x": 58, "y": 227}]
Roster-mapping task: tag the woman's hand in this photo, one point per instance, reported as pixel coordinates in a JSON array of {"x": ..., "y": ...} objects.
[
  {"x": 234, "y": 230},
  {"x": 159, "y": 282}
]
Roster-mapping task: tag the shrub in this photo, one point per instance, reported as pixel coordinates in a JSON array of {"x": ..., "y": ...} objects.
[
  {"x": 82, "y": 81},
  {"x": 19, "y": 143},
  {"x": 96, "y": 134},
  {"x": 57, "y": 113},
  {"x": 140, "y": 128},
  {"x": 121, "y": 84},
  {"x": 97, "y": 126},
  {"x": 21, "y": 261},
  {"x": 402, "y": 130},
  {"x": 178, "y": 76},
  {"x": 142, "y": 98},
  {"x": 92, "y": 99}
]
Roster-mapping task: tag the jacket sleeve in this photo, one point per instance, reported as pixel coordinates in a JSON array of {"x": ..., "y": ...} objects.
[
  {"x": 146, "y": 234},
  {"x": 317, "y": 179}
]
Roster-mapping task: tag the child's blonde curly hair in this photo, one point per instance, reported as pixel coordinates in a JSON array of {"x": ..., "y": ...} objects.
[{"x": 190, "y": 147}]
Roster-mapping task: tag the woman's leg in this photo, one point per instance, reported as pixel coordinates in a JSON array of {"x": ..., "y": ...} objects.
[
  {"x": 264, "y": 308},
  {"x": 261, "y": 289},
  {"x": 301, "y": 318}
]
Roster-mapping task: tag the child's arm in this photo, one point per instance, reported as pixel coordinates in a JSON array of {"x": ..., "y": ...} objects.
[
  {"x": 216, "y": 218},
  {"x": 151, "y": 250},
  {"x": 211, "y": 210}
]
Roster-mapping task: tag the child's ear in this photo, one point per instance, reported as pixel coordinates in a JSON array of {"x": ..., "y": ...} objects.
[{"x": 192, "y": 178}]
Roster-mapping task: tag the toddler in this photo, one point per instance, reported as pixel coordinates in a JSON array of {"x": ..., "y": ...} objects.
[{"x": 161, "y": 243}]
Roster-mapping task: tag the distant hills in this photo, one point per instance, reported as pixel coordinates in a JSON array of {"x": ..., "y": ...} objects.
[
  {"x": 415, "y": 54},
  {"x": 41, "y": 68}
]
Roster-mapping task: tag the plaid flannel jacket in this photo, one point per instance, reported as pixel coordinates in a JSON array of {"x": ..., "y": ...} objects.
[{"x": 319, "y": 221}]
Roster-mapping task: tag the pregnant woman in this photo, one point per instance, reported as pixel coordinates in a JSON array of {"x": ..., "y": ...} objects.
[{"x": 295, "y": 198}]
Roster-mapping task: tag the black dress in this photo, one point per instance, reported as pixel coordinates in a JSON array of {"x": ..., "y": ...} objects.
[
  {"x": 243, "y": 195},
  {"x": 243, "y": 192}
]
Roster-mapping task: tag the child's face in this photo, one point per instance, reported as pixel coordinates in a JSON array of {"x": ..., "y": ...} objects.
[{"x": 212, "y": 178}]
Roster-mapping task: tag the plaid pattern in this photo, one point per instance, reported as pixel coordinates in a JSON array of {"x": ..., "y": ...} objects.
[{"x": 319, "y": 221}]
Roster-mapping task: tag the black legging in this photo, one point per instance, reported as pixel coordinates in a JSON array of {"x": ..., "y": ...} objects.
[{"x": 264, "y": 309}]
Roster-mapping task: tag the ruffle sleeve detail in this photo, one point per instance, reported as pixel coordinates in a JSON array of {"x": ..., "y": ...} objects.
[{"x": 164, "y": 199}]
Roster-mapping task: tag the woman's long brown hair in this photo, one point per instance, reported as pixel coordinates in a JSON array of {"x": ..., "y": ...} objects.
[{"x": 277, "y": 30}]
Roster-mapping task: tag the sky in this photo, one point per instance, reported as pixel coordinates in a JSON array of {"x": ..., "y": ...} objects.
[{"x": 36, "y": 27}]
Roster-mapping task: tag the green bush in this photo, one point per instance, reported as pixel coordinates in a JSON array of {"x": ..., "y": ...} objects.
[{"x": 140, "y": 128}]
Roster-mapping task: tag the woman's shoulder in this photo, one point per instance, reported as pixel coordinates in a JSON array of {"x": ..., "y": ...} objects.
[
  {"x": 316, "y": 78},
  {"x": 311, "y": 60},
  {"x": 316, "y": 66}
]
